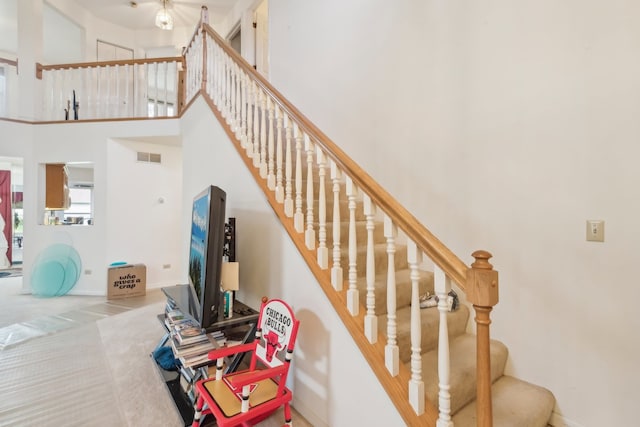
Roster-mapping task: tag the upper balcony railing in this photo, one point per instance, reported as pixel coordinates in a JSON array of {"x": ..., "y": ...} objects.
[{"x": 139, "y": 88}]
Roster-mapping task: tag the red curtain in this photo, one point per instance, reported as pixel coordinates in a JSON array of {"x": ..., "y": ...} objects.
[{"x": 5, "y": 209}]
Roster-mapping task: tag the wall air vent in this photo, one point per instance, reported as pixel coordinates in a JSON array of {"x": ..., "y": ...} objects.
[{"x": 149, "y": 157}]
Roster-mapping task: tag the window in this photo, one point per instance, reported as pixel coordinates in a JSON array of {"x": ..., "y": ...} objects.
[
  {"x": 159, "y": 109},
  {"x": 79, "y": 211}
]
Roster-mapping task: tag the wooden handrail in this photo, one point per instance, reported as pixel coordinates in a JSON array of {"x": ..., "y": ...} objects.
[
  {"x": 418, "y": 233},
  {"x": 40, "y": 67},
  {"x": 9, "y": 61}
]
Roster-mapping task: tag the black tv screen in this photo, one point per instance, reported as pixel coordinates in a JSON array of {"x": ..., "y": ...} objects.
[{"x": 205, "y": 252}]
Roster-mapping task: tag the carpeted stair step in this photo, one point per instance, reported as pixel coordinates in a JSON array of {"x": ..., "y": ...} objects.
[
  {"x": 463, "y": 370},
  {"x": 361, "y": 233},
  {"x": 516, "y": 403},
  {"x": 403, "y": 289},
  {"x": 381, "y": 258},
  {"x": 430, "y": 324}
]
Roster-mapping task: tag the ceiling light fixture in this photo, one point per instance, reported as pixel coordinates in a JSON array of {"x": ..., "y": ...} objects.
[{"x": 163, "y": 19}]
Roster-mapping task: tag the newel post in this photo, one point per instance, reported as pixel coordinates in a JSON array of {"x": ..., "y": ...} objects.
[
  {"x": 204, "y": 20},
  {"x": 482, "y": 292}
]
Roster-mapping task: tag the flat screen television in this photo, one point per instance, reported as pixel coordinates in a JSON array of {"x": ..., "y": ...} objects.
[{"x": 205, "y": 252}]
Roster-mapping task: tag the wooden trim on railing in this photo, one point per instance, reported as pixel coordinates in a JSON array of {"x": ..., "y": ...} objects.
[
  {"x": 9, "y": 62},
  {"x": 483, "y": 293},
  {"x": 115, "y": 119},
  {"x": 40, "y": 68},
  {"x": 423, "y": 238}
]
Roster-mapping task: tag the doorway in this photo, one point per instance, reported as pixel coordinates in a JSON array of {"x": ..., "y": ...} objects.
[
  {"x": 261, "y": 23},
  {"x": 11, "y": 212}
]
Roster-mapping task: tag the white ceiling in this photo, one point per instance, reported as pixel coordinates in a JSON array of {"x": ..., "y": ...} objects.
[{"x": 184, "y": 12}]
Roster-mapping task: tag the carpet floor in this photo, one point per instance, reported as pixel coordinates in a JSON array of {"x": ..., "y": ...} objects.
[{"x": 87, "y": 363}]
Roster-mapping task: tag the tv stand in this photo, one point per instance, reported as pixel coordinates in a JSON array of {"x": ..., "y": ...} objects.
[{"x": 243, "y": 321}]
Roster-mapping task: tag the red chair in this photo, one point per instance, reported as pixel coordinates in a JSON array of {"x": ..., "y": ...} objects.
[{"x": 249, "y": 396}]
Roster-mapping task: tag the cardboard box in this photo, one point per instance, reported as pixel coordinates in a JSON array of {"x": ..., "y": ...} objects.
[{"x": 129, "y": 280}]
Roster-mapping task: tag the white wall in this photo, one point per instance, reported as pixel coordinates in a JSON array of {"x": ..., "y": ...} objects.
[
  {"x": 114, "y": 236},
  {"x": 504, "y": 126},
  {"x": 327, "y": 362},
  {"x": 144, "y": 209}
]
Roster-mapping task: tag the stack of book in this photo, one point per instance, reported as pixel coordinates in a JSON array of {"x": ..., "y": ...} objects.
[{"x": 192, "y": 347}]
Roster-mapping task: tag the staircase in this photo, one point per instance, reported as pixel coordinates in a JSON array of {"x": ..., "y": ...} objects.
[{"x": 370, "y": 256}]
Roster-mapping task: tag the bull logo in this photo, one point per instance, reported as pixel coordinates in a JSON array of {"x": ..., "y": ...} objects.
[{"x": 274, "y": 342}]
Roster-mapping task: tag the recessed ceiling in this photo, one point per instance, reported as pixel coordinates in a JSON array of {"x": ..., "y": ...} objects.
[{"x": 186, "y": 13}]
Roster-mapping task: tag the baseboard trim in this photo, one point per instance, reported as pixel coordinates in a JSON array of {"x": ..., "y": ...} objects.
[
  {"x": 307, "y": 413},
  {"x": 558, "y": 420}
]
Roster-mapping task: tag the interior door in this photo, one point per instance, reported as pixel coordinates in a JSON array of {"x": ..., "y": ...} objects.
[{"x": 262, "y": 38}]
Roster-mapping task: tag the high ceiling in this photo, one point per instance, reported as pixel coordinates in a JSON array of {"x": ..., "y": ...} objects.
[{"x": 142, "y": 15}]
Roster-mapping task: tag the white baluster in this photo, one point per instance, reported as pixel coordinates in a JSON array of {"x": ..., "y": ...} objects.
[
  {"x": 237, "y": 98},
  {"x": 370, "y": 319},
  {"x": 225, "y": 87},
  {"x": 298, "y": 216},
  {"x": 118, "y": 104},
  {"x": 250, "y": 112},
  {"x": 127, "y": 94},
  {"x": 229, "y": 105},
  {"x": 336, "y": 269},
  {"x": 230, "y": 115},
  {"x": 323, "y": 251},
  {"x": 238, "y": 104},
  {"x": 99, "y": 98},
  {"x": 442, "y": 286},
  {"x": 309, "y": 234},
  {"x": 47, "y": 98},
  {"x": 242, "y": 134},
  {"x": 211, "y": 67},
  {"x": 216, "y": 71},
  {"x": 279, "y": 151},
  {"x": 271, "y": 128},
  {"x": 256, "y": 125},
  {"x": 109, "y": 107},
  {"x": 144, "y": 88},
  {"x": 288, "y": 169},
  {"x": 416, "y": 385},
  {"x": 353, "y": 298},
  {"x": 166, "y": 88},
  {"x": 263, "y": 135},
  {"x": 391, "y": 351},
  {"x": 156, "y": 93},
  {"x": 219, "y": 79}
]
